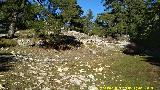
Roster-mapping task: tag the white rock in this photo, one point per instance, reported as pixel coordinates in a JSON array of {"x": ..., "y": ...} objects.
[
  {"x": 81, "y": 70},
  {"x": 28, "y": 88},
  {"x": 83, "y": 86},
  {"x": 65, "y": 69},
  {"x": 91, "y": 76},
  {"x": 76, "y": 58},
  {"x": 17, "y": 32},
  {"x": 61, "y": 74},
  {"x": 60, "y": 69},
  {"x": 83, "y": 78},
  {"x": 7, "y": 48},
  {"x": 1, "y": 87},
  {"x": 21, "y": 74},
  {"x": 58, "y": 81},
  {"x": 57, "y": 55},
  {"x": 13, "y": 52},
  {"x": 31, "y": 59},
  {"x": 62, "y": 89},
  {"x": 107, "y": 66},
  {"x": 75, "y": 81},
  {"x": 40, "y": 81},
  {"x": 39, "y": 77},
  {"x": 46, "y": 59},
  {"x": 92, "y": 87},
  {"x": 46, "y": 88},
  {"x": 95, "y": 69},
  {"x": 94, "y": 52},
  {"x": 43, "y": 74}
]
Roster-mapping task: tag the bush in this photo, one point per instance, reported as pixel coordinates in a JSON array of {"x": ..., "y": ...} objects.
[
  {"x": 7, "y": 43},
  {"x": 98, "y": 32}
]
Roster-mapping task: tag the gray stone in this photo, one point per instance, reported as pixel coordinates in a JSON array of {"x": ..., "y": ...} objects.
[{"x": 25, "y": 42}]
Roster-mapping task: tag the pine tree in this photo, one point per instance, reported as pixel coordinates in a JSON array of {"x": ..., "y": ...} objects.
[
  {"x": 125, "y": 16},
  {"x": 88, "y": 23},
  {"x": 17, "y": 12},
  {"x": 70, "y": 13}
]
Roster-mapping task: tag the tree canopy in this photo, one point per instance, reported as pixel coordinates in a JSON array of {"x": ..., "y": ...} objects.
[{"x": 137, "y": 18}]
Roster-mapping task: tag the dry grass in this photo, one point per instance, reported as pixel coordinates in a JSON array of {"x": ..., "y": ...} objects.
[{"x": 77, "y": 69}]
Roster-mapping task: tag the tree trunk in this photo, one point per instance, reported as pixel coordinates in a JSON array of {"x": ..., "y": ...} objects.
[
  {"x": 11, "y": 30},
  {"x": 12, "y": 25}
]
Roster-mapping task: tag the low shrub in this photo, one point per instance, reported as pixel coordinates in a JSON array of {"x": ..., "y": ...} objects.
[
  {"x": 7, "y": 43},
  {"x": 29, "y": 33}
]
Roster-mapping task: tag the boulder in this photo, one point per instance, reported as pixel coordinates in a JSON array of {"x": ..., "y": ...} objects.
[{"x": 25, "y": 42}]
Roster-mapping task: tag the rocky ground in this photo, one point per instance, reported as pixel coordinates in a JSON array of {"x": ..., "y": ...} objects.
[
  {"x": 96, "y": 65},
  {"x": 86, "y": 40},
  {"x": 47, "y": 69}
]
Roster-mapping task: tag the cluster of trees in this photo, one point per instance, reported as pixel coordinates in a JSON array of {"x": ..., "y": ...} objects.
[
  {"x": 138, "y": 18},
  {"x": 17, "y": 14},
  {"x": 24, "y": 14}
]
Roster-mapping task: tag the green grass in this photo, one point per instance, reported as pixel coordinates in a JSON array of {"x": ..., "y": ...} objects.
[
  {"x": 119, "y": 70},
  {"x": 134, "y": 72}
]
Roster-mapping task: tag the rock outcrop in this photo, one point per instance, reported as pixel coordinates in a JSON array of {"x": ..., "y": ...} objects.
[
  {"x": 100, "y": 42},
  {"x": 107, "y": 43}
]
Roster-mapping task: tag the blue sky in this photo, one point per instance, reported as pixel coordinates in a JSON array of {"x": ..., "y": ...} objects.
[{"x": 95, "y": 5}]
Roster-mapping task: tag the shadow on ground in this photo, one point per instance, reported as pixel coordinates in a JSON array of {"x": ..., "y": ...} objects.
[
  {"x": 153, "y": 60},
  {"x": 6, "y": 62},
  {"x": 63, "y": 42},
  {"x": 151, "y": 55}
]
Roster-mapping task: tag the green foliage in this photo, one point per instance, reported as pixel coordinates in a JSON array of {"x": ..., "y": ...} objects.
[
  {"x": 7, "y": 43},
  {"x": 28, "y": 17},
  {"x": 70, "y": 9},
  {"x": 19, "y": 12},
  {"x": 87, "y": 22},
  {"x": 71, "y": 13},
  {"x": 97, "y": 30},
  {"x": 124, "y": 18},
  {"x": 46, "y": 29},
  {"x": 137, "y": 18}
]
